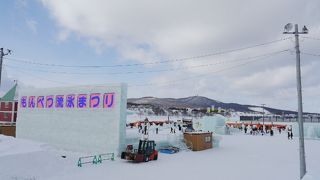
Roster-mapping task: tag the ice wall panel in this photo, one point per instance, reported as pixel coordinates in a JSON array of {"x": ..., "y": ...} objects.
[{"x": 86, "y": 129}]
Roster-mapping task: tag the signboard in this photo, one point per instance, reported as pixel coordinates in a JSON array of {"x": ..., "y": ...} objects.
[{"x": 81, "y": 118}]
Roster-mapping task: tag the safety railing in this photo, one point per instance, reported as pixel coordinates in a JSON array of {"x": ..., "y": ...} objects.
[{"x": 95, "y": 159}]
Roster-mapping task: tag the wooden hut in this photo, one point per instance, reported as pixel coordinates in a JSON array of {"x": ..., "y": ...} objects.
[{"x": 198, "y": 141}]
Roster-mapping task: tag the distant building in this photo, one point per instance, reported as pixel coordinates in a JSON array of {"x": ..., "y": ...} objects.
[{"x": 8, "y": 112}]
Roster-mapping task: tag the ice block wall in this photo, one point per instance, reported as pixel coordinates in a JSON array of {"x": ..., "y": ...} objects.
[
  {"x": 214, "y": 124},
  {"x": 311, "y": 130},
  {"x": 81, "y": 118}
]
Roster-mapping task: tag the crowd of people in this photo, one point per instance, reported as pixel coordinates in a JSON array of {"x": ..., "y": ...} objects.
[
  {"x": 250, "y": 129},
  {"x": 258, "y": 129},
  {"x": 146, "y": 126}
]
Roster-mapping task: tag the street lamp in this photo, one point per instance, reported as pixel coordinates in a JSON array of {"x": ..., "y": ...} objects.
[{"x": 287, "y": 30}]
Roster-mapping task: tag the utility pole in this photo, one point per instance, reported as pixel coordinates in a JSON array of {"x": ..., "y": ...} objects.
[
  {"x": 1, "y": 59},
  {"x": 263, "y": 113},
  {"x": 296, "y": 33}
]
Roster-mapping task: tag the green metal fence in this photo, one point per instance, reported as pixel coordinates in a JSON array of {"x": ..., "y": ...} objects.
[{"x": 95, "y": 159}]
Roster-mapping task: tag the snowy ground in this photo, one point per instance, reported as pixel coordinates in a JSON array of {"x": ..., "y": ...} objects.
[{"x": 240, "y": 157}]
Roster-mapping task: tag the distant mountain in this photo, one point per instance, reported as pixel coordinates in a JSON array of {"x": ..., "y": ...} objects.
[{"x": 198, "y": 102}]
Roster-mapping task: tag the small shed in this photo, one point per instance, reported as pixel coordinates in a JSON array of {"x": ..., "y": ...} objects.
[
  {"x": 198, "y": 141},
  {"x": 8, "y": 130},
  {"x": 8, "y": 112}
]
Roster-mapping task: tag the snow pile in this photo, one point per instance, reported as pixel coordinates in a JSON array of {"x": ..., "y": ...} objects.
[{"x": 12, "y": 146}]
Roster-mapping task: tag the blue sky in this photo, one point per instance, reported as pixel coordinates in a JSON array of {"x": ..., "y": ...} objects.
[
  {"x": 106, "y": 33},
  {"x": 32, "y": 34}
]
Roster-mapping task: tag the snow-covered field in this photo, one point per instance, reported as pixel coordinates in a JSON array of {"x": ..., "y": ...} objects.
[{"x": 239, "y": 157}]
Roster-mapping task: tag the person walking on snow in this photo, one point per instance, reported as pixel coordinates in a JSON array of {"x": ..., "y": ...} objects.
[
  {"x": 290, "y": 134},
  {"x": 271, "y": 132}
]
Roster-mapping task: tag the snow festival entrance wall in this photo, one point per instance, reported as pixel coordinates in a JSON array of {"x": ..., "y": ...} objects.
[{"x": 80, "y": 118}]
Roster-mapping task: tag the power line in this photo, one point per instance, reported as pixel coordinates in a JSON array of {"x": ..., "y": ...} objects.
[
  {"x": 309, "y": 37},
  {"x": 150, "y": 63},
  {"x": 38, "y": 77},
  {"x": 164, "y": 83},
  {"x": 310, "y": 54},
  {"x": 153, "y": 71},
  {"x": 197, "y": 76}
]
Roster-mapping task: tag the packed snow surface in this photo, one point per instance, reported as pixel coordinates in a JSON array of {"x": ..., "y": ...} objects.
[{"x": 239, "y": 157}]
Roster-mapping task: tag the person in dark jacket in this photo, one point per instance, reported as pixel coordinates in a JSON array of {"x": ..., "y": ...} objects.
[{"x": 290, "y": 134}]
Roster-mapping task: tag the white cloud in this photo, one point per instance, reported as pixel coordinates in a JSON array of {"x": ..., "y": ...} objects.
[
  {"x": 281, "y": 77},
  {"x": 144, "y": 30},
  {"x": 63, "y": 35},
  {"x": 32, "y": 25}
]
